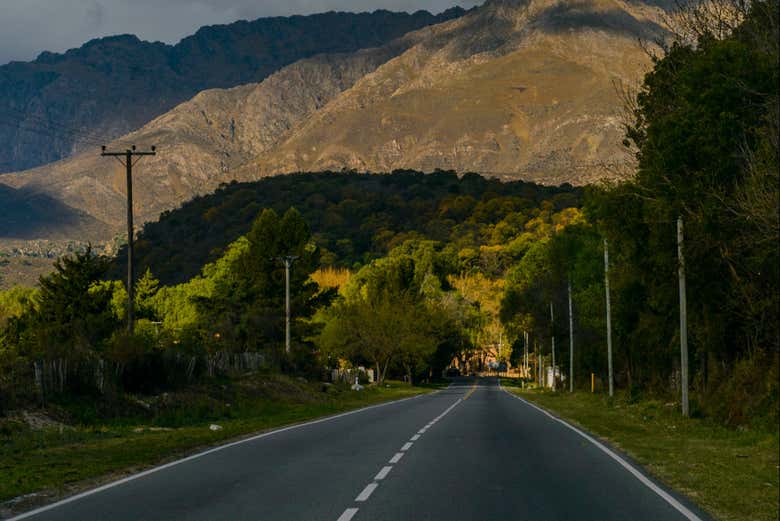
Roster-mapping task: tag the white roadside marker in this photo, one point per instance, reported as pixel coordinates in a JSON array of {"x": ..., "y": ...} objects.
[
  {"x": 348, "y": 514},
  {"x": 370, "y": 488},
  {"x": 397, "y": 457},
  {"x": 407, "y": 446},
  {"x": 383, "y": 473}
]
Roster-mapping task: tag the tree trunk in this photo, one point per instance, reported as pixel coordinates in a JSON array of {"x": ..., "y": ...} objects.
[
  {"x": 384, "y": 370},
  {"x": 408, "y": 373}
]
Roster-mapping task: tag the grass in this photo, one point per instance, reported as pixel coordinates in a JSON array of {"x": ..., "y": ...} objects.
[
  {"x": 733, "y": 474},
  {"x": 62, "y": 461}
]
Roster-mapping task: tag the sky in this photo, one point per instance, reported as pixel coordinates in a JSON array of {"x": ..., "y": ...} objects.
[{"x": 28, "y": 27}]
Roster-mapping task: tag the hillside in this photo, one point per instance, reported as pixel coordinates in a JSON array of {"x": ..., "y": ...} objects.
[
  {"x": 203, "y": 142},
  {"x": 520, "y": 89},
  {"x": 58, "y": 104},
  {"x": 467, "y": 211}
]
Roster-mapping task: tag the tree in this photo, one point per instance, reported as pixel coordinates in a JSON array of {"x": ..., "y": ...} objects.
[
  {"x": 145, "y": 290},
  {"x": 705, "y": 135},
  {"x": 391, "y": 313},
  {"x": 73, "y": 312},
  {"x": 246, "y": 308}
]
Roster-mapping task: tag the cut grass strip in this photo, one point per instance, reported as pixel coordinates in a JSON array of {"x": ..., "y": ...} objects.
[{"x": 732, "y": 474}]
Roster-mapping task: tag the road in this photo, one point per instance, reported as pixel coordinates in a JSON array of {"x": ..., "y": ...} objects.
[{"x": 469, "y": 452}]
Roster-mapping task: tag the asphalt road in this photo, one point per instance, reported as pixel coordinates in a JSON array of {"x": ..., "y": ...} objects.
[{"x": 470, "y": 452}]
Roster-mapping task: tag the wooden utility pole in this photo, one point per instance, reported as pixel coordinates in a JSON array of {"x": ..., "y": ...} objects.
[
  {"x": 288, "y": 262},
  {"x": 539, "y": 364},
  {"x": 609, "y": 318},
  {"x": 128, "y": 163},
  {"x": 571, "y": 343},
  {"x": 683, "y": 319},
  {"x": 552, "y": 331},
  {"x": 525, "y": 359}
]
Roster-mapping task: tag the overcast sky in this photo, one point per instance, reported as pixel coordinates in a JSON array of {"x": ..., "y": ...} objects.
[{"x": 28, "y": 27}]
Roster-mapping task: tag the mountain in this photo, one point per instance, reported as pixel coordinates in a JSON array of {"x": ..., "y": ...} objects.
[
  {"x": 202, "y": 142},
  {"x": 61, "y": 104},
  {"x": 521, "y": 89}
]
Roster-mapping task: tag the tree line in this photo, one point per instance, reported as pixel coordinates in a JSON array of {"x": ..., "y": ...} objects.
[
  {"x": 430, "y": 270},
  {"x": 400, "y": 312},
  {"x": 705, "y": 132}
]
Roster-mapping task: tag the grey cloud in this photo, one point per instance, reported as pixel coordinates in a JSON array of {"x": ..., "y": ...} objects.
[{"x": 28, "y": 27}]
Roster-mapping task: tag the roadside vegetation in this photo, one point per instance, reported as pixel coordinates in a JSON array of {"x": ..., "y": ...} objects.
[{"x": 704, "y": 129}]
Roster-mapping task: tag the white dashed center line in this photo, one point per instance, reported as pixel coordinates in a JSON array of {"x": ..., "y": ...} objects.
[
  {"x": 382, "y": 474},
  {"x": 395, "y": 459},
  {"x": 348, "y": 514},
  {"x": 370, "y": 488}
]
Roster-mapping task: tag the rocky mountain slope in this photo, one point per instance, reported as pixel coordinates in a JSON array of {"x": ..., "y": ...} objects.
[
  {"x": 524, "y": 89},
  {"x": 60, "y": 104},
  {"x": 517, "y": 88},
  {"x": 201, "y": 143}
]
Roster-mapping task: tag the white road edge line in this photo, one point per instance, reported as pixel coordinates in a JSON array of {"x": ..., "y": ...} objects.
[
  {"x": 348, "y": 514},
  {"x": 626, "y": 465},
  {"x": 415, "y": 437},
  {"x": 383, "y": 473},
  {"x": 204, "y": 453},
  {"x": 370, "y": 488},
  {"x": 395, "y": 459},
  {"x": 407, "y": 446}
]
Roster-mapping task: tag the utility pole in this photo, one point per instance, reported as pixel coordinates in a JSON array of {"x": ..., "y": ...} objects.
[
  {"x": 128, "y": 163},
  {"x": 525, "y": 358},
  {"x": 541, "y": 364},
  {"x": 609, "y": 318},
  {"x": 571, "y": 343},
  {"x": 552, "y": 330},
  {"x": 683, "y": 319},
  {"x": 288, "y": 262}
]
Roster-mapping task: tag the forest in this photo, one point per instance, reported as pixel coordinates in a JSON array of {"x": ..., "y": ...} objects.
[
  {"x": 380, "y": 259},
  {"x": 407, "y": 272}
]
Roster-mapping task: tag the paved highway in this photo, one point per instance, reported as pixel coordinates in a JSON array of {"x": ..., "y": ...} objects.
[{"x": 470, "y": 452}]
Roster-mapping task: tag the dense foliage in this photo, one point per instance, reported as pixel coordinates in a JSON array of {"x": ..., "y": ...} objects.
[
  {"x": 426, "y": 252},
  {"x": 705, "y": 132},
  {"x": 354, "y": 218}
]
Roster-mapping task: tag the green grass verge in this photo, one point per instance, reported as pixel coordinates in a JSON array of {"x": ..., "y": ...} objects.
[
  {"x": 59, "y": 461},
  {"x": 733, "y": 474}
]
